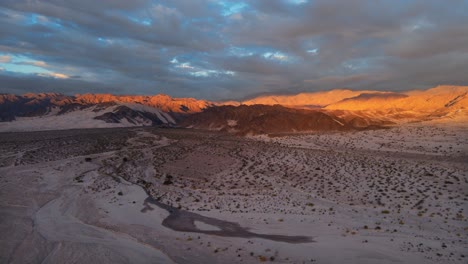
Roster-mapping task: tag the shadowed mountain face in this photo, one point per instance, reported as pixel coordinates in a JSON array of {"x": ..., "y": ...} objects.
[
  {"x": 12, "y": 106},
  {"x": 130, "y": 115},
  {"x": 261, "y": 119}
]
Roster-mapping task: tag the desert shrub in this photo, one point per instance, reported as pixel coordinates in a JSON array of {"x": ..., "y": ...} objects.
[{"x": 168, "y": 180}]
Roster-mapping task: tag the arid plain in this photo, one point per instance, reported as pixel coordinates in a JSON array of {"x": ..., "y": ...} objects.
[{"x": 395, "y": 195}]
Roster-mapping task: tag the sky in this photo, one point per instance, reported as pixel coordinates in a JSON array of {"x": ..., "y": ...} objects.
[{"x": 219, "y": 50}]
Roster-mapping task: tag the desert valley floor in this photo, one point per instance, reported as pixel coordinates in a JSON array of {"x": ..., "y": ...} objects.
[{"x": 152, "y": 195}]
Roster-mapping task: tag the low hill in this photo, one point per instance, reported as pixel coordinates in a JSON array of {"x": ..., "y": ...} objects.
[{"x": 265, "y": 119}]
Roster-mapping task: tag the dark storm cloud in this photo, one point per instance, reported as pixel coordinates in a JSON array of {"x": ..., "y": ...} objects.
[
  {"x": 18, "y": 83},
  {"x": 230, "y": 49}
]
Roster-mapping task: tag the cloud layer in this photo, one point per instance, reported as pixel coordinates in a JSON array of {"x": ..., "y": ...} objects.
[{"x": 230, "y": 49}]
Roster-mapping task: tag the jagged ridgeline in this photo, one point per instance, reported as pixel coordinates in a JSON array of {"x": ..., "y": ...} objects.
[{"x": 336, "y": 110}]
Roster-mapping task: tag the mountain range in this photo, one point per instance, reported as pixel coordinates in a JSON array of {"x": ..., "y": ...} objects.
[{"x": 339, "y": 109}]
